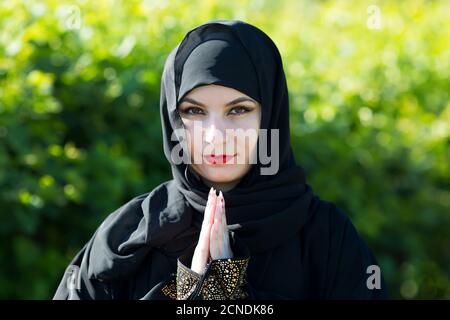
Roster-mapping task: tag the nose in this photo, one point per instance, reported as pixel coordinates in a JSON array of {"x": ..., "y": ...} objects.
[
  {"x": 210, "y": 132},
  {"x": 214, "y": 132}
]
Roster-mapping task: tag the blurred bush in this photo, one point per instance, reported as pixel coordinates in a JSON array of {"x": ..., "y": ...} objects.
[{"x": 80, "y": 129}]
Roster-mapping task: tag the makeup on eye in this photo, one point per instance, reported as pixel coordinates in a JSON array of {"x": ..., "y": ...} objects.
[{"x": 244, "y": 109}]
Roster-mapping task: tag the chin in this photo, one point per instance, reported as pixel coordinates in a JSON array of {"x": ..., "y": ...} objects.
[{"x": 221, "y": 174}]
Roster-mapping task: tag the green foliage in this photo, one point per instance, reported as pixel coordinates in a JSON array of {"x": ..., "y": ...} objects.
[{"x": 80, "y": 128}]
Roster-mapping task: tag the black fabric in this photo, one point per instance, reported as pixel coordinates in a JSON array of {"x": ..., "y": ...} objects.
[
  {"x": 219, "y": 59},
  {"x": 300, "y": 245}
]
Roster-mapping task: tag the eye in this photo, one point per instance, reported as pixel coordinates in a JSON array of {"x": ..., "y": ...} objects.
[
  {"x": 240, "y": 110},
  {"x": 192, "y": 110}
]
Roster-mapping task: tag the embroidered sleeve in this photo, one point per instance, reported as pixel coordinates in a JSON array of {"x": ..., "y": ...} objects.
[
  {"x": 223, "y": 279},
  {"x": 169, "y": 289},
  {"x": 186, "y": 280}
]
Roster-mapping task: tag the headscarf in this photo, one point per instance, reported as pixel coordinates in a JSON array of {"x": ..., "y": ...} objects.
[
  {"x": 300, "y": 246},
  {"x": 263, "y": 209}
]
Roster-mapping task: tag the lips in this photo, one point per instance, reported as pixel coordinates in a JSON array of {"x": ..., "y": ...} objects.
[{"x": 216, "y": 159}]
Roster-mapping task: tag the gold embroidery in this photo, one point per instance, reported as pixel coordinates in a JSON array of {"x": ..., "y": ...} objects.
[
  {"x": 231, "y": 273},
  {"x": 186, "y": 281},
  {"x": 170, "y": 289},
  {"x": 224, "y": 280}
]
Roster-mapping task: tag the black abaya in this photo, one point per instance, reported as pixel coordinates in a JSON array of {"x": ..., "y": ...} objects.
[{"x": 300, "y": 246}]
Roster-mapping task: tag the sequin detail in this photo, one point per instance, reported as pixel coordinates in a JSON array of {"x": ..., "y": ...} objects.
[
  {"x": 224, "y": 281},
  {"x": 186, "y": 281},
  {"x": 230, "y": 274},
  {"x": 170, "y": 289}
]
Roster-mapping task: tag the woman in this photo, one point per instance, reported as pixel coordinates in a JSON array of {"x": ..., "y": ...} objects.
[{"x": 228, "y": 225}]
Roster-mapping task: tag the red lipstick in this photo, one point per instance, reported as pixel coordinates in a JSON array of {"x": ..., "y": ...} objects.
[{"x": 216, "y": 159}]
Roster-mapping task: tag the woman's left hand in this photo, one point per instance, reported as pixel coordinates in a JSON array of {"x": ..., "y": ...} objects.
[{"x": 219, "y": 244}]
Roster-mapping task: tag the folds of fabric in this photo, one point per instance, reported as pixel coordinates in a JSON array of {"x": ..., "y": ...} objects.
[{"x": 299, "y": 246}]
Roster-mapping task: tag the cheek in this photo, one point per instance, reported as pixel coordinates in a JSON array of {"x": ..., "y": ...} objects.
[
  {"x": 190, "y": 133},
  {"x": 255, "y": 123},
  {"x": 190, "y": 138},
  {"x": 249, "y": 140}
]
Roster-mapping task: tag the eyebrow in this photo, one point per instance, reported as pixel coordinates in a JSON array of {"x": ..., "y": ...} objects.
[{"x": 240, "y": 99}]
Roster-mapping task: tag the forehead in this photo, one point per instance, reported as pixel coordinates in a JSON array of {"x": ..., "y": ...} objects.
[{"x": 214, "y": 92}]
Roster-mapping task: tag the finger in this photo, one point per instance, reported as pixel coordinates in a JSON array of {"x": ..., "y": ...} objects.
[
  {"x": 223, "y": 216},
  {"x": 226, "y": 246},
  {"x": 224, "y": 222},
  {"x": 219, "y": 234},
  {"x": 209, "y": 211},
  {"x": 209, "y": 205},
  {"x": 214, "y": 239},
  {"x": 218, "y": 221},
  {"x": 202, "y": 250},
  {"x": 213, "y": 208}
]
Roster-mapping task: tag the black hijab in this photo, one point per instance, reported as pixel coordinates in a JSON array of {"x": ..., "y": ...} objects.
[
  {"x": 300, "y": 246},
  {"x": 263, "y": 209}
]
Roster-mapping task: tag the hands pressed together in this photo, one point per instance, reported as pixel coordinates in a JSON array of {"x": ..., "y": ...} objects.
[{"x": 214, "y": 239}]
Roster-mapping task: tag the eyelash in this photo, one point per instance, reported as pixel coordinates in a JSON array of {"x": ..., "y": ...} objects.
[{"x": 245, "y": 110}]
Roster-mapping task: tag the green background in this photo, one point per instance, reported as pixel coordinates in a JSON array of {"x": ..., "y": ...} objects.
[{"x": 80, "y": 130}]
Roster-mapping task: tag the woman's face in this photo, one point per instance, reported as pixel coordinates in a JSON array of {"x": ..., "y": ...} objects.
[{"x": 222, "y": 127}]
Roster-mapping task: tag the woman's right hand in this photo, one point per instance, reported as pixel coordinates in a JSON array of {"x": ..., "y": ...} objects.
[{"x": 202, "y": 252}]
